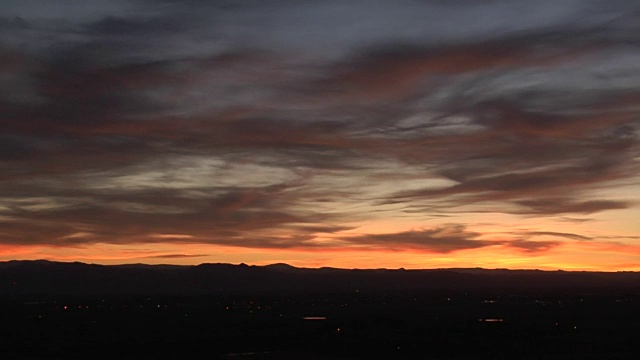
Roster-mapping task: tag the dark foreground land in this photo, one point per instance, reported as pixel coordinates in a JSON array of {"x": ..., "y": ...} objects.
[{"x": 57, "y": 311}]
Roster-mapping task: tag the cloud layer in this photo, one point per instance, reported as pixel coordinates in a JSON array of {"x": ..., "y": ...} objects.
[{"x": 290, "y": 124}]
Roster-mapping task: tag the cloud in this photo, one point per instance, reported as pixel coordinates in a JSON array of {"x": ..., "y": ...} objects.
[
  {"x": 455, "y": 237},
  {"x": 443, "y": 239},
  {"x": 560, "y": 206},
  {"x": 526, "y": 240},
  {"x": 119, "y": 26},
  {"x": 559, "y": 234},
  {"x": 533, "y": 246},
  {"x": 264, "y": 124},
  {"x": 575, "y": 220},
  {"x": 175, "y": 256},
  {"x": 400, "y": 71}
]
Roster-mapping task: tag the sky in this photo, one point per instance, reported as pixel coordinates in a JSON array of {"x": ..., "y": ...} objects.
[{"x": 352, "y": 134}]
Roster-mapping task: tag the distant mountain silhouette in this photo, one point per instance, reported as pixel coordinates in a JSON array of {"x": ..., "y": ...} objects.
[{"x": 55, "y": 278}]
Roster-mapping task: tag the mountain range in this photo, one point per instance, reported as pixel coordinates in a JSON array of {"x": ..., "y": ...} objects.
[{"x": 75, "y": 278}]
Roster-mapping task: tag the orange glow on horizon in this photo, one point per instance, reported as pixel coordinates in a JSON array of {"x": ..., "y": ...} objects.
[{"x": 568, "y": 256}]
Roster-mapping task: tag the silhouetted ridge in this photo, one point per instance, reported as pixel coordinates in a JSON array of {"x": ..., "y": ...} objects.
[
  {"x": 47, "y": 277},
  {"x": 280, "y": 266}
]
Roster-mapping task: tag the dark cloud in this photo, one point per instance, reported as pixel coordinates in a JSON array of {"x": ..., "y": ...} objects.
[
  {"x": 443, "y": 239},
  {"x": 174, "y": 256},
  {"x": 14, "y": 23},
  {"x": 118, "y": 26},
  {"x": 236, "y": 217},
  {"x": 397, "y": 71},
  {"x": 559, "y": 234},
  {"x": 575, "y": 220},
  {"x": 553, "y": 206},
  {"x": 533, "y": 246},
  {"x": 455, "y": 237}
]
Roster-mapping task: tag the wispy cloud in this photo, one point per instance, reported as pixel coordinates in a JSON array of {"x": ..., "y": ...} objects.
[
  {"x": 455, "y": 237},
  {"x": 559, "y": 234},
  {"x": 175, "y": 256}
]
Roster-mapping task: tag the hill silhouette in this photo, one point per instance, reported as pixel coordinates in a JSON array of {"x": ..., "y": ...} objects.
[{"x": 47, "y": 277}]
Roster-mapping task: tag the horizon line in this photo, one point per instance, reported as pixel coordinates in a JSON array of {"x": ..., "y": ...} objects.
[{"x": 242, "y": 264}]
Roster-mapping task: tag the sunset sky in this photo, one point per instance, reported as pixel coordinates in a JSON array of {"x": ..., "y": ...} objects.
[{"x": 353, "y": 134}]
